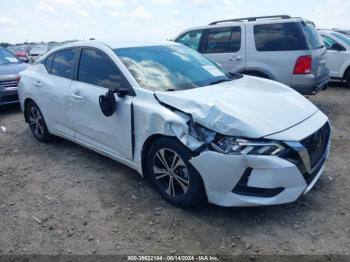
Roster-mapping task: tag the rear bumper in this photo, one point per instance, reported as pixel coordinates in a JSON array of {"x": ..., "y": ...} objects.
[
  {"x": 308, "y": 84},
  {"x": 9, "y": 96}
]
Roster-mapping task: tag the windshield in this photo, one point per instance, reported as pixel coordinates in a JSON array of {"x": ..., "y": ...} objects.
[
  {"x": 15, "y": 49},
  {"x": 39, "y": 49},
  {"x": 313, "y": 38},
  {"x": 342, "y": 37},
  {"x": 7, "y": 57},
  {"x": 170, "y": 68}
]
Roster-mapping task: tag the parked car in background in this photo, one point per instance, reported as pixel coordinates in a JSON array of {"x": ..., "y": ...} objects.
[
  {"x": 345, "y": 32},
  {"x": 21, "y": 51},
  {"x": 281, "y": 48},
  {"x": 37, "y": 51},
  {"x": 197, "y": 131},
  {"x": 10, "y": 67},
  {"x": 338, "y": 50}
]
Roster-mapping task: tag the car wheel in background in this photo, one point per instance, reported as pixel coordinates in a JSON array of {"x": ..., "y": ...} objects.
[
  {"x": 172, "y": 175},
  {"x": 347, "y": 78},
  {"x": 37, "y": 123}
]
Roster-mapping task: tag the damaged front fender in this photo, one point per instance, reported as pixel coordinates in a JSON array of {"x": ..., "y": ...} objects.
[{"x": 161, "y": 121}]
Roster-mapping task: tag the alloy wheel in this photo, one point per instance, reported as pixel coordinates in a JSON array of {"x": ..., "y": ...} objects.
[
  {"x": 171, "y": 173},
  {"x": 36, "y": 122}
]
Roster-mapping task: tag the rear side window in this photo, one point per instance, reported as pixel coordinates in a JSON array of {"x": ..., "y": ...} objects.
[
  {"x": 223, "y": 40},
  {"x": 191, "y": 39},
  {"x": 63, "y": 63},
  {"x": 279, "y": 37},
  {"x": 96, "y": 68},
  {"x": 313, "y": 38},
  {"x": 48, "y": 63}
]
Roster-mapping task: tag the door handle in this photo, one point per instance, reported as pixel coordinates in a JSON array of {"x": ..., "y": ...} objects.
[
  {"x": 235, "y": 58},
  {"x": 37, "y": 83},
  {"x": 77, "y": 97}
]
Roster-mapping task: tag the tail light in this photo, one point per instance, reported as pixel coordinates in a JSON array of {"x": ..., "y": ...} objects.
[
  {"x": 303, "y": 65},
  {"x": 18, "y": 78}
]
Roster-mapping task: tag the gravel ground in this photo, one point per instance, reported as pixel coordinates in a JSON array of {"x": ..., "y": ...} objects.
[{"x": 60, "y": 198}]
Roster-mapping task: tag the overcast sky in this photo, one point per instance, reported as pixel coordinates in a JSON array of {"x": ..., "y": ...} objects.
[{"x": 130, "y": 20}]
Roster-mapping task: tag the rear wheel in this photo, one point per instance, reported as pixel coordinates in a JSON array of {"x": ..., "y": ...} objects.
[
  {"x": 172, "y": 175},
  {"x": 37, "y": 123},
  {"x": 347, "y": 78}
]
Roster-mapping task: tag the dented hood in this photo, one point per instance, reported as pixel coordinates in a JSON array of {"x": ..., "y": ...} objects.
[{"x": 249, "y": 107}]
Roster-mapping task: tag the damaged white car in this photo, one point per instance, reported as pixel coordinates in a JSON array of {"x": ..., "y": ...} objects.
[{"x": 166, "y": 111}]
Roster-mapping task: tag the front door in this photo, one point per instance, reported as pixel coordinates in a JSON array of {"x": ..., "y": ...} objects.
[
  {"x": 334, "y": 57},
  {"x": 96, "y": 74}
]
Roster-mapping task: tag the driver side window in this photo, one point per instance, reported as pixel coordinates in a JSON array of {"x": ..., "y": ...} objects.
[
  {"x": 329, "y": 42},
  {"x": 97, "y": 69},
  {"x": 191, "y": 39}
]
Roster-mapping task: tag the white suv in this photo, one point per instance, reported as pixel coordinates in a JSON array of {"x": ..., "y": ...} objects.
[
  {"x": 171, "y": 114},
  {"x": 338, "y": 51}
]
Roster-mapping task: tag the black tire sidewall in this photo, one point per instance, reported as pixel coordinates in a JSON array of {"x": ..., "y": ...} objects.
[
  {"x": 196, "y": 192},
  {"x": 347, "y": 78},
  {"x": 46, "y": 136}
]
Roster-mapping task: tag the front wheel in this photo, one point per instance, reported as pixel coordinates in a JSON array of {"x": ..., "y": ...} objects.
[
  {"x": 37, "y": 123},
  {"x": 172, "y": 175}
]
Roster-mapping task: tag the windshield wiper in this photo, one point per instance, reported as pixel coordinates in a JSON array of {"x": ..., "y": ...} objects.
[
  {"x": 233, "y": 76},
  {"x": 220, "y": 81}
]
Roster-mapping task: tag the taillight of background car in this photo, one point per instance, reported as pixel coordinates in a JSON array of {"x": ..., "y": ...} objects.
[{"x": 303, "y": 65}]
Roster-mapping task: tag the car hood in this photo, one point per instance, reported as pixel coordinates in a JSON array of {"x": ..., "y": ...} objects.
[
  {"x": 12, "y": 69},
  {"x": 250, "y": 107}
]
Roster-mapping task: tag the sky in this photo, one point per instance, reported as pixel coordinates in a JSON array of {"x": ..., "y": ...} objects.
[{"x": 146, "y": 20}]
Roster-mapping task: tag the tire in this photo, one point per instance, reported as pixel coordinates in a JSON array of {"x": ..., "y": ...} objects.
[
  {"x": 37, "y": 123},
  {"x": 179, "y": 183},
  {"x": 347, "y": 78}
]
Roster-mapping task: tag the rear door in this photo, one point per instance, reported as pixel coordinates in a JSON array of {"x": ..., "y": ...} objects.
[
  {"x": 54, "y": 90},
  {"x": 225, "y": 46},
  {"x": 96, "y": 74}
]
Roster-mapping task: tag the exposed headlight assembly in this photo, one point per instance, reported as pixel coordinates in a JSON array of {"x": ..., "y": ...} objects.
[
  {"x": 233, "y": 145},
  {"x": 239, "y": 146}
]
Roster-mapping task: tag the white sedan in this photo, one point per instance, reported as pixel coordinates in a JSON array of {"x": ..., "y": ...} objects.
[{"x": 197, "y": 132}]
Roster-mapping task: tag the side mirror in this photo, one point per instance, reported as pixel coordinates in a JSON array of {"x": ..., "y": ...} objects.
[
  {"x": 108, "y": 104},
  {"x": 337, "y": 47}
]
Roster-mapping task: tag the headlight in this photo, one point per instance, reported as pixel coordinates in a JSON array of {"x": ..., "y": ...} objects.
[
  {"x": 238, "y": 146},
  {"x": 233, "y": 145}
]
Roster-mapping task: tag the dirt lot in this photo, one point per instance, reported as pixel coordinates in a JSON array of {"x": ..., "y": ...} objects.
[{"x": 60, "y": 198}]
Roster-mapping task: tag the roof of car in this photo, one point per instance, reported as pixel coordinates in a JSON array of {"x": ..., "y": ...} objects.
[
  {"x": 115, "y": 44},
  {"x": 247, "y": 20}
]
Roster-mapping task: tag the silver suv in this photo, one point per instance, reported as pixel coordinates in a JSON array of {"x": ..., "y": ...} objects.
[{"x": 281, "y": 48}]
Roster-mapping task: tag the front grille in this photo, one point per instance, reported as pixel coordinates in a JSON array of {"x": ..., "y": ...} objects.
[
  {"x": 9, "y": 99},
  {"x": 316, "y": 144},
  {"x": 8, "y": 83}
]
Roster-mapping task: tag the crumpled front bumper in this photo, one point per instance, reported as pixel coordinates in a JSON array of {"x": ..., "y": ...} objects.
[
  {"x": 266, "y": 180},
  {"x": 221, "y": 173}
]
